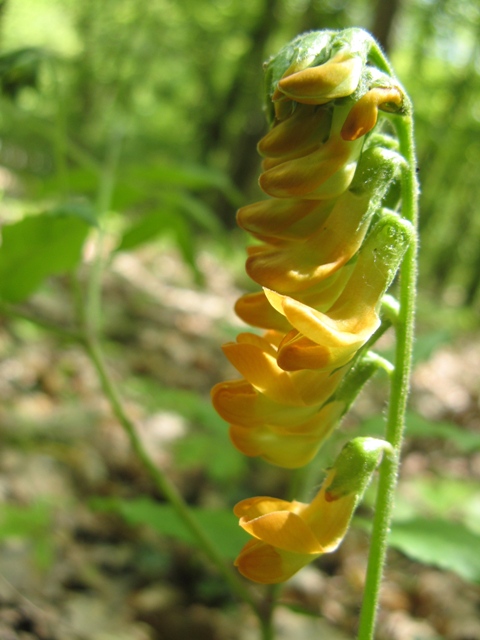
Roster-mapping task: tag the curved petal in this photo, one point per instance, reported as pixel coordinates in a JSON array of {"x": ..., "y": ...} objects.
[
  {"x": 321, "y": 328},
  {"x": 305, "y": 130},
  {"x": 303, "y": 176},
  {"x": 329, "y": 521},
  {"x": 288, "y": 219},
  {"x": 260, "y": 368},
  {"x": 290, "y": 448},
  {"x": 255, "y": 310},
  {"x": 238, "y": 402},
  {"x": 264, "y": 564},
  {"x": 260, "y": 505},
  {"x": 295, "y": 266},
  {"x": 302, "y": 353},
  {"x": 284, "y": 530},
  {"x": 336, "y": 78},
  {"x": 363, "y": 116}
]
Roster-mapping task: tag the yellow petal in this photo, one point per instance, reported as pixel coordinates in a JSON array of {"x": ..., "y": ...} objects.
[
  {"x": 255, "y": 310},
  {"x": 256, "y": 364},
  {"x": 287, "y": 219},
  {"x": 238, "y": 402},
  {"x": 284, "y": 530},
  {"x": 329, "y": 520},
  {"x": 322, "y": 341},
  {"x": 322, "y": 328},
  {"x": 336, "y": 78},
  {"x": 261, "y": 505},
  {"x": 302, "y": 353},
  {"x": 291, "y": 267},
  {"x": 289, "y": 447},
  {"x": 303, "y": 176},
  {"x": 289, "y": 451},
  {"x": 298, "y": 135},
  {"x": 264, "y": 564},
  {"x": 363, "y": 116}
]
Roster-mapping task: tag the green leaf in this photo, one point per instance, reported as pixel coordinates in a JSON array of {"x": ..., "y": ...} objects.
[
  {"x": 32, "y": 522},
  {"x": 188, "y": 176},
  {"x": 420, "y": 427},
  {"x": 220, "y": 525},
  {"x": 444, "y": 544},
  {"x": 189, "y": 404},
  {"x": 465, "y": 441},
  {"x": 37, "y": 247},
  {"x": 147, "y": 228},
  {"x": 19, "y": 69},
  {"x": 426, "y": 344}
]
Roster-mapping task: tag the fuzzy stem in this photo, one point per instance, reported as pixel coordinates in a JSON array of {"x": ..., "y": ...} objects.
[
  {"x": 162, "y": 483},
  {"x": 400, "y": 385},
  {"x": 89, "y": 309}
]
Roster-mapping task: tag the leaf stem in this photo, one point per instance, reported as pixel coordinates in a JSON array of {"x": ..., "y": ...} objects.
[
  {"x": 400, "y": 386},
  {"x": 160, "y": 480}
]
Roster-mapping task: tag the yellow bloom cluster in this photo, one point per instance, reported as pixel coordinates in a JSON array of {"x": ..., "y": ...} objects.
[
  {"x": 327, "y": 252},
  {"x": 289, "y": 535}
]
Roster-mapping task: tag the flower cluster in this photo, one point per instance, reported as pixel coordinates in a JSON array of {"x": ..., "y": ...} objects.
[{"x": 328, "y": 248}]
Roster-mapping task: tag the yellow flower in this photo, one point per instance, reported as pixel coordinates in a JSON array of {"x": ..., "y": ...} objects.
[
  {"x": 291, "y": 446},
  {"x": 255, "y": 357},
  {"x": 325, "y": 340},
  {"x": 336, "y": 78},
  {"x": 325, "y": 172},
  {"x": 363, "y": 116},
  {"x": 293, "y": 264},
  {"x": 289, "y": 535}
]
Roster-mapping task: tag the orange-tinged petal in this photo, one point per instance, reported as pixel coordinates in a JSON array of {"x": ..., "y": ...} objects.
[
  {"x": 284, "y": 530},
  {"x": 238, "y": 402},
  {"x": 304, "y": 354},
  {"x": 255, "y": 310},
  {"x": 260, "y": 369},
  {"x": 289, "y": 447},
  {"x": 336, "y": 78},
  {"x": 328, "y": 331},
  {"x": 363, "y": 116},
  {"x": 264, "y": 564},
  {"x": 321, "y": 328},
  {"x": 323, "y": 295},
  {"x": 307, "y": 175},
  {"x": 305, "y": 130},
  {"x": 287, "y": 219},
  {"x": 262, "y": 505},
  {"x": 294, "y": 266}
]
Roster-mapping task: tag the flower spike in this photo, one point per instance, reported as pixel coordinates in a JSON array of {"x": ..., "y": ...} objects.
[{"x": 328, "y": 246}]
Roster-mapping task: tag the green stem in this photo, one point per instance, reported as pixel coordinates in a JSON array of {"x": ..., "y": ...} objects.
[
  {"x": 162, "y": 483},
  {"x": 92, "y": 316},
  {"x": 90, "y": 322},
  {"x": 400, "y": 385}
]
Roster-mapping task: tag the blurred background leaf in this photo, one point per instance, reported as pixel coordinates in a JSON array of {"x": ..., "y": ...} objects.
[{"x": 221, "y": 525}]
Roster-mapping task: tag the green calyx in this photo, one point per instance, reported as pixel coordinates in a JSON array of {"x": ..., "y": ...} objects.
[{"x": 354, "y": 467}]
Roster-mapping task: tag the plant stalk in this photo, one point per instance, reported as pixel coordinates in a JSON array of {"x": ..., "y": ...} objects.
[{"x": 400, "y": 386}]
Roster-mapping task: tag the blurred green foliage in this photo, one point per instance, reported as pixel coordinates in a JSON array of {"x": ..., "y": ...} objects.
[{"x": 180, "y": 84}]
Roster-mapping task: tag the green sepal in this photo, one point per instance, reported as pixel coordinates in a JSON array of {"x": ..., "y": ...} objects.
[
  {"x": 355, "y": 465},
  {"x": 312, "y": 49}
]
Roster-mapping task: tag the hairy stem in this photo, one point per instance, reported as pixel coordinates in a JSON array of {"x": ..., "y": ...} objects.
[
  {"x": 400, "y": 385},
  {"x": 160, "y": 480}
]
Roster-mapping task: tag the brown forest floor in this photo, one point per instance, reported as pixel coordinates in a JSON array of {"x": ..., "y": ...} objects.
[{"x": 80, "y": 574}]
